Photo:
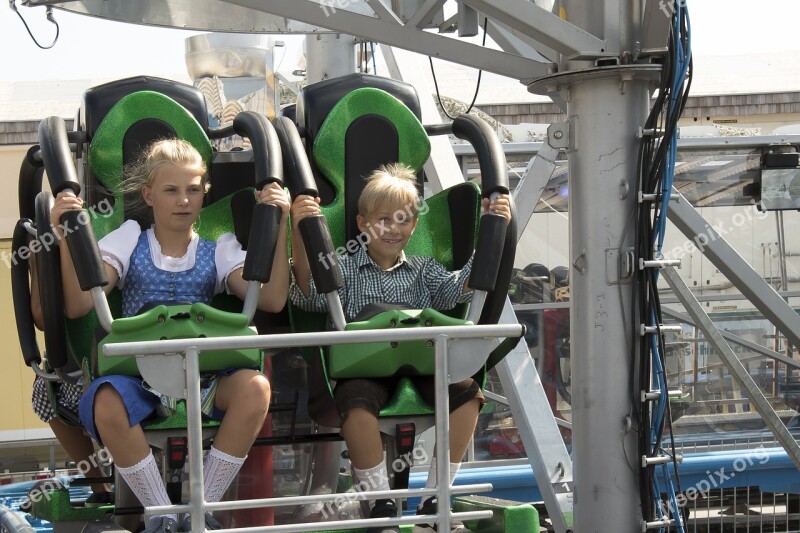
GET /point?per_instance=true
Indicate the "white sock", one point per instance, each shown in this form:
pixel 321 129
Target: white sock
pixel 375 478
pixel 218 473
pixel 146 483
pixel 431 481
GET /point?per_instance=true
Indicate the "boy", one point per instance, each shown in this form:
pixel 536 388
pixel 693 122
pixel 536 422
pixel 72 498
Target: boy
pixel 380 272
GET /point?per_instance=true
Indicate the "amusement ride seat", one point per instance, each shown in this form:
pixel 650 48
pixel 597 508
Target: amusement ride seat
pixel 118 119
pixel 352 125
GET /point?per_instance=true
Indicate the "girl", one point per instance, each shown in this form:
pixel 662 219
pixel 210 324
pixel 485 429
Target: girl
pixel 170 262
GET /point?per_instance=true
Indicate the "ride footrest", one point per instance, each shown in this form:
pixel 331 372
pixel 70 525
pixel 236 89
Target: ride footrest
pixel 508 516
pixel 52 503
pixel 384 359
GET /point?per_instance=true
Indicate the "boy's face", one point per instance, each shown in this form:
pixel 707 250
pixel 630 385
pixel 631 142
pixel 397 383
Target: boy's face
pixel 389 228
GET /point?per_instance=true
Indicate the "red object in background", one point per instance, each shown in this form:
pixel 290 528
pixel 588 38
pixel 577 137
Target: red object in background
pixel 556 328
pixel 255 478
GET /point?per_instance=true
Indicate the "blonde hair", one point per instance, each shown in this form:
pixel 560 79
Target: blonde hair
pixel 393 185
pixel 156 156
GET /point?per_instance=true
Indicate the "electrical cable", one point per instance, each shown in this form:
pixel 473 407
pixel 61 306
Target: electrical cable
pixel 477 85
pixel 49 15
pixel 655 167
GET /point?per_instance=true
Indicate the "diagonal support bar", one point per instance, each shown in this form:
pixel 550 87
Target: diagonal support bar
pixel 390 32
pixel 529 189
pixel 538 23
pixel 736 339
pixel 538 429
pixel 734 267
pixel 738 371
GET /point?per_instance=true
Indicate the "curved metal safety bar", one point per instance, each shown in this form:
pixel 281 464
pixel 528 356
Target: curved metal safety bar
pixel 266 218
pixel 316 236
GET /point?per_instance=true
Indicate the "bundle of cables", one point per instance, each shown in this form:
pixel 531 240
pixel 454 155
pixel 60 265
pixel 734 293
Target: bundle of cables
pixel 656 168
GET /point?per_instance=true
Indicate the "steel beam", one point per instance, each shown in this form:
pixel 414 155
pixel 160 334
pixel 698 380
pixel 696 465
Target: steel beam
pixel 538 429
pixel 538 23
pixel 409 38
pixel 734 267
pixel 738 371
pixel 531 185
pixel 736 339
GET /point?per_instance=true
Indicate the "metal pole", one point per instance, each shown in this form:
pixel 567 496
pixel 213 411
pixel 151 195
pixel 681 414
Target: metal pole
pixel 605 107
pixel 195 437
pixel 329 56
pixel 602 204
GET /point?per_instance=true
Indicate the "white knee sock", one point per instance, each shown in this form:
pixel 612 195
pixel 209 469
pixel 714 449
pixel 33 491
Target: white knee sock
pixel 146 483
pixel 218 473
pixel 431 481
pixel 375 478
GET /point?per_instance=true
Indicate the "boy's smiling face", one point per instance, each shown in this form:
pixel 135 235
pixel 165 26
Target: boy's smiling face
pixel 389 228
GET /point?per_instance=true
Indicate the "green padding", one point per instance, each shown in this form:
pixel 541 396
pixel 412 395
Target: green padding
pixel 179 322
pixel 383 359
pixel 406 401
pixel 434 234
pixel 177 420
pixel 329 146
pixel 105 150
pixel 54 506
pixel 507 517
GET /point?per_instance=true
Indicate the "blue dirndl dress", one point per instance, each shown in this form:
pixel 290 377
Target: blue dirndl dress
pixel 145 282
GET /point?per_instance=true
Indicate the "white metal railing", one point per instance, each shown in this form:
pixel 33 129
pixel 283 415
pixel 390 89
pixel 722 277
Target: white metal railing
pixel 190 350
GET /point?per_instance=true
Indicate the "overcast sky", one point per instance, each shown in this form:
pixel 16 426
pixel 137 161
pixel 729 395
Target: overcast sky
pixel 95 48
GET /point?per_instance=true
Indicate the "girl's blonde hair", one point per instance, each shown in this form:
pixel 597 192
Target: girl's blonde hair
pixel 393 185
pixel 156 156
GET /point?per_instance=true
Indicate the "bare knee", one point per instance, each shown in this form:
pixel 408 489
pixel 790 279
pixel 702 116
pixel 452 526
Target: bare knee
pixel 109 410
pixel 252 395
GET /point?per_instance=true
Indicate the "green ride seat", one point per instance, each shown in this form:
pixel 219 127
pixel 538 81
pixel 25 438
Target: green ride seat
pixel 107 155
pixel 365 128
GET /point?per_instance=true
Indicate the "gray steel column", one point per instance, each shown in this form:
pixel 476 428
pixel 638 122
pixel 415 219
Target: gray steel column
pixel 602 166
pixel 605 107
pixel 329 55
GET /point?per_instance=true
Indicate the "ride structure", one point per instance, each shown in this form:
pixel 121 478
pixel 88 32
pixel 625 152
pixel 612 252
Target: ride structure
pixel 601 62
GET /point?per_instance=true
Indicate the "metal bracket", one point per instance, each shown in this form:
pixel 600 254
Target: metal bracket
pixel 558 135
pixel 620 266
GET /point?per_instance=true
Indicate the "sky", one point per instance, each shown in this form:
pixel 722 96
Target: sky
pixel 94 48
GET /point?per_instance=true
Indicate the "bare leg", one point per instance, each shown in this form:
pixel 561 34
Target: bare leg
pixel 127 445
pixel 363 439
pixel 80 449
pixel 244 396
pixel 462 425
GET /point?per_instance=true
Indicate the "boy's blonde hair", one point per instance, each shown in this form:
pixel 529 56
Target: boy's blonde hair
pixel 393 185
pixel 156 156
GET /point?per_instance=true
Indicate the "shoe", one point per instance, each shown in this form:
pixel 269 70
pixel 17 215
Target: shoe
pixel 96 499
pixel 384 509
pixel 161 524
pixel 430 506
pixel 211 522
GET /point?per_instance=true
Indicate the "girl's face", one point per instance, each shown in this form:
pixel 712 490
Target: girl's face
pixel 176 196
pixel 389 229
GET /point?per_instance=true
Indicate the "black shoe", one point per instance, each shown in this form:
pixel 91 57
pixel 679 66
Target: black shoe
pixel 96 499
pixel 430 506
pixel 161 524
pixel 211 522
pixel 384 509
